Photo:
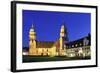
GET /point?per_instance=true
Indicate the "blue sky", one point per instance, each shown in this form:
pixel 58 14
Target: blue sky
pixel 47 25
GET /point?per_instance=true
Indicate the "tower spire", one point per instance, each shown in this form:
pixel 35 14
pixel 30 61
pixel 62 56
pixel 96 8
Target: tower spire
pixel 63 31
pixel 32 28
pixel 32 41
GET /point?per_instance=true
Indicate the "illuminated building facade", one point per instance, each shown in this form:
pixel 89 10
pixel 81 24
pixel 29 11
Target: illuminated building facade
pixel 61 47
pixel 47 48
pixel 80 47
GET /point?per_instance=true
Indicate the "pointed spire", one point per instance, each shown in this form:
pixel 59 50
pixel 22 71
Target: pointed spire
pixel 64 29
pixel 32 28
pixel 63 24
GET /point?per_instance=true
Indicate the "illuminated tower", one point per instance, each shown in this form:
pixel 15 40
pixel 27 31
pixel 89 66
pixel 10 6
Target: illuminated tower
pixel 63 39
pixel 32 41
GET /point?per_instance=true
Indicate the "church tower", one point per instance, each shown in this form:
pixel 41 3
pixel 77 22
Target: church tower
pixel 62 39
pixel 32 41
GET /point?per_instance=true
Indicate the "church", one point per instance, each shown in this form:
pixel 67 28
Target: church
pixel 60 47
pixel 47 48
